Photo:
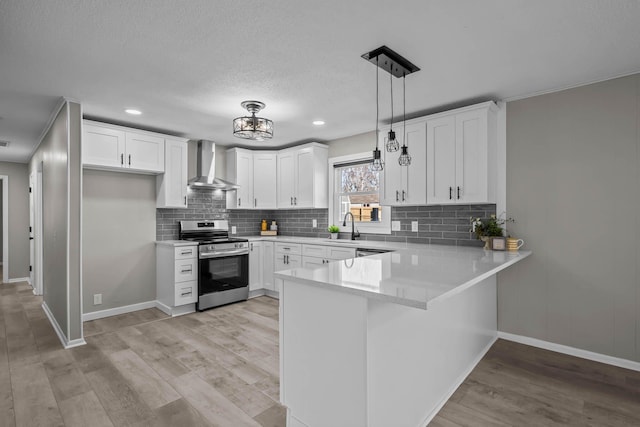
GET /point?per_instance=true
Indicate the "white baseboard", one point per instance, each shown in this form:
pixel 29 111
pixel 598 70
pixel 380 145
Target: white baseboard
pixel 571 351
pixel 457 384
pixel 257 293
pixel 272 294
pixel 117 310
pixel 176 311
pixel 19 279
pixel 56 327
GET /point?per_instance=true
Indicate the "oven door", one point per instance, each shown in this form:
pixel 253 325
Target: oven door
pixel 223 273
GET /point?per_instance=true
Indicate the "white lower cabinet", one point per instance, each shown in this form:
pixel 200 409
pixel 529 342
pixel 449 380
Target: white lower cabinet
pixel 261 266
pixel 318 255
pixel 256 266
pixel 267 266
pixel 176 278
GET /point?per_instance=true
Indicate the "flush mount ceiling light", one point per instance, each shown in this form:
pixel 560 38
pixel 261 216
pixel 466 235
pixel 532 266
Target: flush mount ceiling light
pixel 252 127
pixel 398 66
pixel 133 111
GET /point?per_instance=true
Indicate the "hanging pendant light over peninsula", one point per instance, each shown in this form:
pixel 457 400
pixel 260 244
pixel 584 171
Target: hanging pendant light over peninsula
pixel 398 66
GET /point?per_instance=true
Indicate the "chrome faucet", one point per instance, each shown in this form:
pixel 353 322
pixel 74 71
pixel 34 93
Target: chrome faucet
pixel 354 233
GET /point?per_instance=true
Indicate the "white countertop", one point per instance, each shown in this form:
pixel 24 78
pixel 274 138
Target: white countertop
pixel 413 275
pixel 175 243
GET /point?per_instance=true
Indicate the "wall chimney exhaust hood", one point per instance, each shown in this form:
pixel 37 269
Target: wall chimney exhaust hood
pixel 206 169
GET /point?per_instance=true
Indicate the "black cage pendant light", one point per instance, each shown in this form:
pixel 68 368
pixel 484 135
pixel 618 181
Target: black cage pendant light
pixel 405 158
pixel 398 66
pixel 252 127
pixel 391 144
pixel 377 164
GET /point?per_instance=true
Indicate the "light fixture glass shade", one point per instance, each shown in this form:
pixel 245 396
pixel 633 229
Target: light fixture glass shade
pixel 377 164
pixel 405 158
pixel 392 143
pixel 252 127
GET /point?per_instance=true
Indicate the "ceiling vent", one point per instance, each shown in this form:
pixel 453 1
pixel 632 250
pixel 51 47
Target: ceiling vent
pixel 4 144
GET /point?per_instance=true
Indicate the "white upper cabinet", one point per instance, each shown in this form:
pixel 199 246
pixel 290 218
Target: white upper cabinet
pixel 264 179
pixel 240 172
pixel 461 147
pixel 303 177
pixel 286 178
pixel 172 185
pixel 102 146
pixel 106 146
pixel 255 173
pixel 405 185
pixel 144 152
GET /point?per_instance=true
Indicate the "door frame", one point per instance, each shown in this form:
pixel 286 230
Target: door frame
pixel 5 228
pixel 39 288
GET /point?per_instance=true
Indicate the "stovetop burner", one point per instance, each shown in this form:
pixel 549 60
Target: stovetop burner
pixel 207 232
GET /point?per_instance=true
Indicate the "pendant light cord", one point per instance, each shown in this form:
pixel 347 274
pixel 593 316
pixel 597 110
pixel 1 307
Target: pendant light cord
pixel 404 110
pixel 377 68
pixel 391 84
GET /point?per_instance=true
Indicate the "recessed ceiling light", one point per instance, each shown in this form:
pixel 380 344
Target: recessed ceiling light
pixel 133 112
pixel 318 122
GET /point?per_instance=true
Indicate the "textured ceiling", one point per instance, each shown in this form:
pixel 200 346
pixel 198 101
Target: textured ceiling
pixel 188 64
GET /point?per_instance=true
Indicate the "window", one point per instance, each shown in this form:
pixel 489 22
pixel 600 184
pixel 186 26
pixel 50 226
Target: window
pixel 355 189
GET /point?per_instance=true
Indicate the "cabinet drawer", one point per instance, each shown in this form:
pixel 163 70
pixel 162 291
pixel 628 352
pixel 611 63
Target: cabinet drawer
pixel 314 250
pixel 286 248
pixel 186 270
pixel 186 293
pixel 186 252
pixel 341 253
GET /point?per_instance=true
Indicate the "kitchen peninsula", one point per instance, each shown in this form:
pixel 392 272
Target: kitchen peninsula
pixel 384 340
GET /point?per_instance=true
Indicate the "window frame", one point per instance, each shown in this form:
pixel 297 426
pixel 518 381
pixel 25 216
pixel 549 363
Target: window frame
pixel 382 227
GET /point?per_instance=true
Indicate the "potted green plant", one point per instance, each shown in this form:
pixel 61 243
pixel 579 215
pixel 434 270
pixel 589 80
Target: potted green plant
pixel 486 228
pixel 334 230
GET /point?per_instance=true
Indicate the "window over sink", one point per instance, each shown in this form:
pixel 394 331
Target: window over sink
pixel 355 188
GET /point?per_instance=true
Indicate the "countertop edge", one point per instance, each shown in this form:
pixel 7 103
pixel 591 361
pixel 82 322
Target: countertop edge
pixel 175 243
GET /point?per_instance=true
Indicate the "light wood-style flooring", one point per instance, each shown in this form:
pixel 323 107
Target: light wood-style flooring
pixel 220 368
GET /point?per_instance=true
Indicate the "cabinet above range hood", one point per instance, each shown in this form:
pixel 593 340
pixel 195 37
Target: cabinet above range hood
pixel 206 169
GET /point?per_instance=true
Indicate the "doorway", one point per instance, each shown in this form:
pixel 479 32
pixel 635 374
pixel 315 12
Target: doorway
pixel 4 210
pixel 35 230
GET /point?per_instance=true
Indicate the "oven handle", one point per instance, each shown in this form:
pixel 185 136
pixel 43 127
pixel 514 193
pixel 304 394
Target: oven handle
pixel 205 255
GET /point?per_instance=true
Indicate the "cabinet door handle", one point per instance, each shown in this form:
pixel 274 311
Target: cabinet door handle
pixel 403 192
pixel 129 159
pixel 255 203
pixel 185 200
pixel 450 193
pixel 239 201
pixel 397 196
pixel 291 202
pixel 458 193
pixel 186 252
pixel 252 247
pixel 184 294
pixel 122 159
pixel 287 257
pixel 187 271
pixel 295 201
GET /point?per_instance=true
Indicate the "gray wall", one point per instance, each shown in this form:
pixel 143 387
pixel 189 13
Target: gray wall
pixel 18 211
pixel 59 152
pixel 573 187
pixel 1 226
pixel 119 214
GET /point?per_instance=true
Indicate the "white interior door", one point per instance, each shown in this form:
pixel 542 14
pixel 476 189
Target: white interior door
pixel 38 288
pixel 32 207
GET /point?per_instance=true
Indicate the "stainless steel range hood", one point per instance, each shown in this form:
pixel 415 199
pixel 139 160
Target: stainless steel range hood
pixel 206 169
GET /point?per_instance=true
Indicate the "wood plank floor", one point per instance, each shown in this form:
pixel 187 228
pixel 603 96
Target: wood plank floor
pixel 220 368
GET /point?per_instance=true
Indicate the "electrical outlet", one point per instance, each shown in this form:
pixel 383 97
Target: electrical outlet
pixel 233 229
pixel 315 223
pixel 414 225
pixel 97 299
pixel 395 225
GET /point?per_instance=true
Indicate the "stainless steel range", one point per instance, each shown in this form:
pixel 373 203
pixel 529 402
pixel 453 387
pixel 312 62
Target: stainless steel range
pixel 223 262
